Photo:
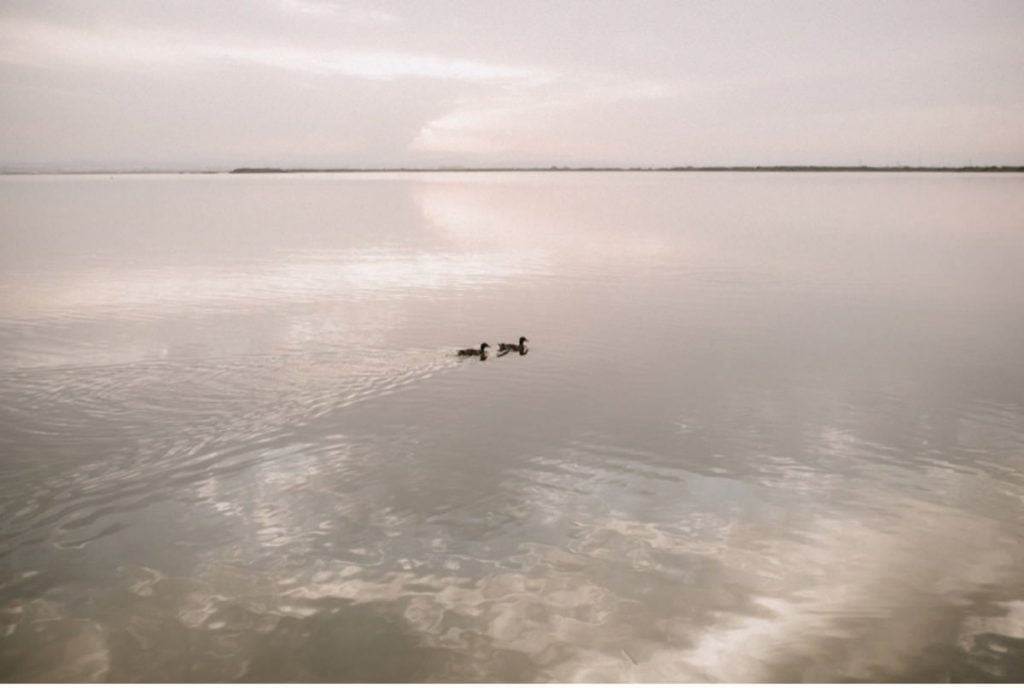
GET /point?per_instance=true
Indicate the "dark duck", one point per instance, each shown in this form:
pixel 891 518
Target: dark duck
pixel 520 348
pixel 481 352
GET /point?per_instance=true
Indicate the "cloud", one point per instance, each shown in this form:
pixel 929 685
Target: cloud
pixel 30 42
pixel 486 84
pixel 326 8
pixel 506 121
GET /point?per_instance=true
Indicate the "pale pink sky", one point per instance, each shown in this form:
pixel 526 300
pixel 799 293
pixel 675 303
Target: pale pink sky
pixel 197 84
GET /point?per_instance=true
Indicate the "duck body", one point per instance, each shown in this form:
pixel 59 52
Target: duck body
pixel 481 352
pixel 520 348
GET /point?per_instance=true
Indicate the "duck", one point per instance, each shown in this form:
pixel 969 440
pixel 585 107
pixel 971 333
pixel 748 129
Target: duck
pixel 481 352
pixel 520 348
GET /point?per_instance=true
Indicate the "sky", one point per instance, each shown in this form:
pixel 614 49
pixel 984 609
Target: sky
pixel 181 84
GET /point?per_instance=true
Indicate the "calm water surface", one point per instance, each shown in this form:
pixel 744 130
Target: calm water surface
pixel 771 427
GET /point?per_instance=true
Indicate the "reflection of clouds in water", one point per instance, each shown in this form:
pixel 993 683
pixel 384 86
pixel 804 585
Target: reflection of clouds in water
pixel 347 275
pixel 772 574
pixel 699 596
pixel 858 603
pixel 741 509
pixel 548 608
pixel 284 504
pixel 47 644
pixel 618 219
pixel 543 613
pixel 710 599
pixel 529 219
pixel 992 642
pixel 431 271
pixel 847 600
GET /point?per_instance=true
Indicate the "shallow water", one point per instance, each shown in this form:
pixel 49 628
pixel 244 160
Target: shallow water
pixel 769 427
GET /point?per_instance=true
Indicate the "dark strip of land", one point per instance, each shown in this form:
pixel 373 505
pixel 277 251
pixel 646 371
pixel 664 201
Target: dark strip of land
pixel 690 168
pixel 695 168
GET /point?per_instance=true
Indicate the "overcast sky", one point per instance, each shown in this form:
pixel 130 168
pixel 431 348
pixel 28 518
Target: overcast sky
pixel 214 84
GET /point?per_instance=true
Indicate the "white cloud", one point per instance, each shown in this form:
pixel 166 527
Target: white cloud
pixel 327 8
pixel 483 83
pixel 43 44
pixel 496 123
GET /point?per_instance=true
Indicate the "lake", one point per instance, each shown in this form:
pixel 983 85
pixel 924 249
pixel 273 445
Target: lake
pixel 769 427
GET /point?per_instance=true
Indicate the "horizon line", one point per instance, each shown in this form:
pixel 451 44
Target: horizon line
pixel 526 168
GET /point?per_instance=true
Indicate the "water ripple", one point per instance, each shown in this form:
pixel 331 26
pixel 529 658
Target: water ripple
pixel 125 436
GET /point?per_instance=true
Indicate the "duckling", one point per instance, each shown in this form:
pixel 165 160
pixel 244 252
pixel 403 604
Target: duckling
pixel 520 348
pixel 481 352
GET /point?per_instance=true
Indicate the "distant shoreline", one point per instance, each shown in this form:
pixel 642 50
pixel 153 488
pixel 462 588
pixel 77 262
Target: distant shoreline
pixel 694 168
pixel 691 168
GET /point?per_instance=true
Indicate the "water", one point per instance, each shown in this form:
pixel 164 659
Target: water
pixel 770 427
